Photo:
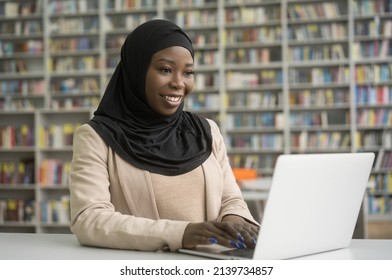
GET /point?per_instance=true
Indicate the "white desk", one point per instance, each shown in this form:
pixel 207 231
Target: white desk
pixel 30 246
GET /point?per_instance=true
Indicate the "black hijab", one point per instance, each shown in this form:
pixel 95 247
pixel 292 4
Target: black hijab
pixel 170 145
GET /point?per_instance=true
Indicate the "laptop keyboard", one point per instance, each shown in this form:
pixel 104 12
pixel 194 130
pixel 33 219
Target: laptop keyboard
pixel 243 253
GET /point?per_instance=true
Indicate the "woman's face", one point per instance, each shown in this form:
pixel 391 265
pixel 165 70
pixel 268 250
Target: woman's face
pixel 169 79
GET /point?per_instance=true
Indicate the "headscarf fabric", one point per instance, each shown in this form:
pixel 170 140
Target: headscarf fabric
pixel 167 145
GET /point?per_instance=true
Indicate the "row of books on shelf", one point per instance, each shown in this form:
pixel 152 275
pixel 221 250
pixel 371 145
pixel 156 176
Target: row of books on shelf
pixel 260 162
pixel 16 136
pixel 112 62
pixel 71 6
pixel 265 34
pixel 89 24
pixel 75 102
pixel 9 104
pixel 326 10
pixel 52 211
pixel 203 101
pixel 196 18
pixel 206 57
pixel 56 211
pixel 372 95
pixel 114 42
pixel 374 117
pixel 313 31
pixel 17 173
pixel 121 5
pixel 319 118
pixel 206 80
pixel 319 97
pixel 72 44
pixel 371 7
pixel 252 55
pixel 126 22
pixel 196 3
pixel 20 8
pixel 381 48
pixel 318 52
pixel 17 28
pixel 82 85
pixel 240 80
pixel 374 73
pixel 17 210
pixel 256 141
pixel 320 76
pixel 258 15
pixel 255 100
pixel 320 140
pixel 317 140
pixel 371 139
pixel 255 120
pixel 22 87
pixel 57 135
pixel 383 160
pixel 203 39
pixel 373 28
pixel 71 64
pixel 379 204
pixel 30 46
pixel 380 183
pixel 54 172
pixel 14 66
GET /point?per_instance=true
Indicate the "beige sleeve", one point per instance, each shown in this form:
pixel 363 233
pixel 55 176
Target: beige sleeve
pixel 94 219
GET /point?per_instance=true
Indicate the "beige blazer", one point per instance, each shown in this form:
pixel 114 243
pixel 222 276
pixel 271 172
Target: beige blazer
pixel 113 204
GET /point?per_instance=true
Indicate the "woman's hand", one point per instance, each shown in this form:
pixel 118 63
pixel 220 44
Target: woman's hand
pixel 247 230
pixel 233 231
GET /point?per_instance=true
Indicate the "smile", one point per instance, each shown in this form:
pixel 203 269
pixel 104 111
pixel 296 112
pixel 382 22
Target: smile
pixel 173 99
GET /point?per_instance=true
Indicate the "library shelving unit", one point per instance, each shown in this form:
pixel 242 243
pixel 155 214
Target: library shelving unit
pixel 318 76
pixel 49 82
pixel 200 19
pixel 372 92
pixel 279 77
pixel 253 50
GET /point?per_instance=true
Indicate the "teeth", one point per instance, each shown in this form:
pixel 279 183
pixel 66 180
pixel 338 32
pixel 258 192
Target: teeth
pixel 173 98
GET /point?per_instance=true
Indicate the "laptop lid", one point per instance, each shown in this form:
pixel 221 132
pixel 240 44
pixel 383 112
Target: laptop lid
pixel 312 206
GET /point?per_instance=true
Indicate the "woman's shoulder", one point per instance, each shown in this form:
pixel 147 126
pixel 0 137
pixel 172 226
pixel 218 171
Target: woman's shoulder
pixel 86 131
pixel 214 127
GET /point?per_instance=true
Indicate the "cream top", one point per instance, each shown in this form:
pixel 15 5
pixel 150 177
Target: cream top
pixel 182 197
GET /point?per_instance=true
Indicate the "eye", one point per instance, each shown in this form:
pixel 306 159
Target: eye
pixel 190 73
pixel 165 70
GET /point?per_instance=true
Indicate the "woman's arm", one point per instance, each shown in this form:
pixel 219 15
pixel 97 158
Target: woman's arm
pixel 234 226
pixel 94 219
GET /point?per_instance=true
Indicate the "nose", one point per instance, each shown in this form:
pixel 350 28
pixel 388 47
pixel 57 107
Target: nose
pixel 177 82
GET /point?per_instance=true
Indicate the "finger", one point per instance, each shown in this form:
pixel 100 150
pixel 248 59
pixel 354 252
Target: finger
pixel 228 228
pixel 227 235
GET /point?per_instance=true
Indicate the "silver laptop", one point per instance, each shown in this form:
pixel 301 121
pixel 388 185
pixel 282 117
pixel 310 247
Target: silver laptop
pixel 313 205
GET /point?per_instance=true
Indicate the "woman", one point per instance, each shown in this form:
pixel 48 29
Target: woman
pixel 147 175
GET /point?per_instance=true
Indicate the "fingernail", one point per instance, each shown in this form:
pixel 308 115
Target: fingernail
pixel 254 241
pixel 242 245
pixel 240 238
pixel 212 240
pixel 234 244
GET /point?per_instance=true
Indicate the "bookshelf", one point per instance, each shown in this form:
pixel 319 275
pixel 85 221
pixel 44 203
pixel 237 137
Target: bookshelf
pixel 279 77
pixel 372 60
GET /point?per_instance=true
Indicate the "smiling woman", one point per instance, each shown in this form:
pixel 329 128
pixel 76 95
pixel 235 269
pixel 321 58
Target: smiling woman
pixel 169 79
pixel 145 174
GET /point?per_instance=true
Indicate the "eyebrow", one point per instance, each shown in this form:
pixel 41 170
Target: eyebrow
pixel 174 63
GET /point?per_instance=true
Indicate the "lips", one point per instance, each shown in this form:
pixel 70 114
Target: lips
pixel 172 100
